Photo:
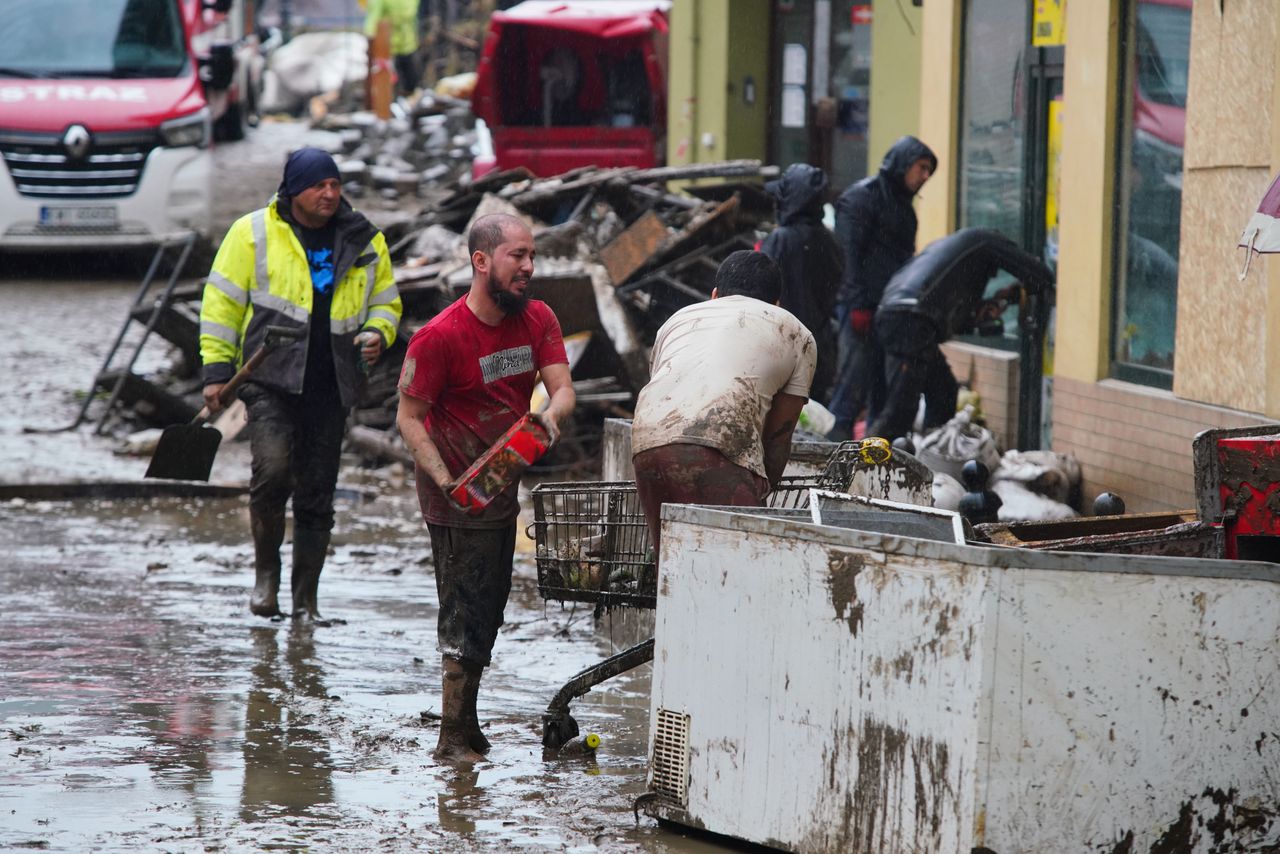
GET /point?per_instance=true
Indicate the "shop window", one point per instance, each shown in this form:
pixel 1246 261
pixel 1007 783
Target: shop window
pixel 1149 189
pixel 992 170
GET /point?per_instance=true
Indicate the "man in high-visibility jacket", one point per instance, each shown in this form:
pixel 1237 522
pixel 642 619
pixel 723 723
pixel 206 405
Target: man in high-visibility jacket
pixel 306 261
pixel 403 16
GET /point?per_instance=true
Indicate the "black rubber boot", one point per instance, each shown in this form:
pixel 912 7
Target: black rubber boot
pixel 455 730
pixel 309 551
pixel 268 533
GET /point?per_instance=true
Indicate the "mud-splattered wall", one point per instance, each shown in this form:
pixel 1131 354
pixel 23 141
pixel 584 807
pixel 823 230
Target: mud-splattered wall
pixel 1223 324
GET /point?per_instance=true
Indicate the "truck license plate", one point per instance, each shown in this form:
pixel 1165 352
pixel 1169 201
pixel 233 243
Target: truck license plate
pixel 81 216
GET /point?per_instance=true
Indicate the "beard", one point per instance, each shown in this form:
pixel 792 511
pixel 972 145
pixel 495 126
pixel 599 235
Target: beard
pixel 508 302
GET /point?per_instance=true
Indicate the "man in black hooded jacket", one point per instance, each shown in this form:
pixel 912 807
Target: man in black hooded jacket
pixel 809 258
pixel 876 229
pixel 938 294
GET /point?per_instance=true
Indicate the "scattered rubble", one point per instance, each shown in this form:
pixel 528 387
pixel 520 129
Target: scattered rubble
pixel 619 250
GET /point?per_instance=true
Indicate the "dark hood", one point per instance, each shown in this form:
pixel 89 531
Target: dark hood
pixel 799 192
pixel 900 156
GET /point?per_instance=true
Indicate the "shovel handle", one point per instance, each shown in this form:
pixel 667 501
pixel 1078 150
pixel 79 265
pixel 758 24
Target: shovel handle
pixel 228 391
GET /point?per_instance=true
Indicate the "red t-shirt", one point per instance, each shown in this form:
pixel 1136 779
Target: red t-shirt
pixel 478 379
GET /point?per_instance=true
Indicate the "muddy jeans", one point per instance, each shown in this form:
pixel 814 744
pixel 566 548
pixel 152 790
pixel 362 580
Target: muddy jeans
pixel 692 474
pixel 296 443
pixel 473 581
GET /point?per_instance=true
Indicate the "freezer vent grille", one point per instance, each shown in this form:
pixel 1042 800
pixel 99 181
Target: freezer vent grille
pixel 671 757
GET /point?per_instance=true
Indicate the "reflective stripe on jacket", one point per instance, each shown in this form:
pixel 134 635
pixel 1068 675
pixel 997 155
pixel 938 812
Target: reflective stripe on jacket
pixel 261 278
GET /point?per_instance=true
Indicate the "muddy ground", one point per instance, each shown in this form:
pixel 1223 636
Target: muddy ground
pixel 143 708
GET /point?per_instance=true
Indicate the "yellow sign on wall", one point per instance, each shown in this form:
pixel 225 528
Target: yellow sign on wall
pixel 1049 23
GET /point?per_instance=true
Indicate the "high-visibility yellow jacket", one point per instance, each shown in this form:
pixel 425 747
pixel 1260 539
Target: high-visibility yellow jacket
pixel 261 278
pixel 403 15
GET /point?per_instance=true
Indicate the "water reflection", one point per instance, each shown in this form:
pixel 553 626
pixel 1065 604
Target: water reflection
pixel 287 765
pixel 458 801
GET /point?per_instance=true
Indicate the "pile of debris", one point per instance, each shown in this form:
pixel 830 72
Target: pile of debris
pixel 619 250
pixel 427 144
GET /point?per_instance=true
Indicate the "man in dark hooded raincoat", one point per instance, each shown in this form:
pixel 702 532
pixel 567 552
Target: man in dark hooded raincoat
pixel 876 229
pixel 940 293
pixel 809 258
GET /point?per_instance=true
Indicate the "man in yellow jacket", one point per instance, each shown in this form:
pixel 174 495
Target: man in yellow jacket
pixel 309 262
pixel 403 15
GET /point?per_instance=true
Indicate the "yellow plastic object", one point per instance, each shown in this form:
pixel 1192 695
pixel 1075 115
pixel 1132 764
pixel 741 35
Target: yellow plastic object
pixel 592 741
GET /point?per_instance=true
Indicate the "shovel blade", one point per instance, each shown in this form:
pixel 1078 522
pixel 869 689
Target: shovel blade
pixel 185 452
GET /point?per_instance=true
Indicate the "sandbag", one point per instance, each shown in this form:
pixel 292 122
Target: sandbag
pixel 948 448
pixel 1047 473
pixel 1020 504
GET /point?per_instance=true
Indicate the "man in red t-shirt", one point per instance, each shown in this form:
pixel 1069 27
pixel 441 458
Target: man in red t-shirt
pixel 468 376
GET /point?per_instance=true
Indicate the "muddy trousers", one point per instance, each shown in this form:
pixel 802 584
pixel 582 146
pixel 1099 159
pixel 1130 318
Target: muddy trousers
pixel 680 473
pixel 473 581
pixel 296 445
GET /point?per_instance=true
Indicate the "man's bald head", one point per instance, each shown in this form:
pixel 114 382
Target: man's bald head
pixel 490 231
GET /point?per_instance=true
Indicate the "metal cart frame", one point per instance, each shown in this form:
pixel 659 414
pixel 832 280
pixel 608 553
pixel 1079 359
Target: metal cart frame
pixel 592 545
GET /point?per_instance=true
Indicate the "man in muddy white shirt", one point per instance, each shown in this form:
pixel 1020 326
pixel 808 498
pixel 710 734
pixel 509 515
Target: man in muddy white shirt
pixel 728 378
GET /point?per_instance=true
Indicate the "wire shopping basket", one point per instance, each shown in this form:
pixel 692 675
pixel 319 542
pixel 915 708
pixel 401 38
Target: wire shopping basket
pixel 592 543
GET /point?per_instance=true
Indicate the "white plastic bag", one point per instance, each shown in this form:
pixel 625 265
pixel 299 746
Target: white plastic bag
pixel 816 418
pixel 953 444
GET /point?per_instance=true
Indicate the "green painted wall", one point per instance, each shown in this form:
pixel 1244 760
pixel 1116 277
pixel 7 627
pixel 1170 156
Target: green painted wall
pixel 715 45
pixel 895 77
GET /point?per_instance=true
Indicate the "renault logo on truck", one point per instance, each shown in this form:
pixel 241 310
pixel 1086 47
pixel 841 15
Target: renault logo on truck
pixel 76 141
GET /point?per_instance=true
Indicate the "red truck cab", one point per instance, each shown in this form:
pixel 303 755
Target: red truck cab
pixel 570 83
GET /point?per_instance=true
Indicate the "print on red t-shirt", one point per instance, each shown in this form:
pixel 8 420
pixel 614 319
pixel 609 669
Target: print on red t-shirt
pixel 478 379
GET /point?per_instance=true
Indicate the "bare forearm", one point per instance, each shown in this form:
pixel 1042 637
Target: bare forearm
pixel 562 403
pixel 424 451
pixel 776 454
pixel 779 425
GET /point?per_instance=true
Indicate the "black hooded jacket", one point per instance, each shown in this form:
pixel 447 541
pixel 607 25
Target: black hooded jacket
pixel 876 225
pixel 945 283
pixel 804 249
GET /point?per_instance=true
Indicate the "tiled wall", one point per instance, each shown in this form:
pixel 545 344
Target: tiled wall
pixel 994 375
pixel 1133 440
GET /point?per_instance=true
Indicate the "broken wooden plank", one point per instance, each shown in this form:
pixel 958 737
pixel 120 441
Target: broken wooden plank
pixel 718 169
pixel 654 195
pixel 633 248
pixel 710 228
pixel 147 399
pixel 550 189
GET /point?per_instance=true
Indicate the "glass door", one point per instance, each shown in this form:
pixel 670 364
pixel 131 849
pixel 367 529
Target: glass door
pixel 1045 116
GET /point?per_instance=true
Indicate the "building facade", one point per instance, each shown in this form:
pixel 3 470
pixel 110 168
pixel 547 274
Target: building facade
pixel 1126 142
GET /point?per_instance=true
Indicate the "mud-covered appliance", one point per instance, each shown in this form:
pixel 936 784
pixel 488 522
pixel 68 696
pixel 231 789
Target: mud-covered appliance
pixel 866 680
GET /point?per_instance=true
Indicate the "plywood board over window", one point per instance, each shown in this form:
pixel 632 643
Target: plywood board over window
pixel 1221 321
pixel 1233 70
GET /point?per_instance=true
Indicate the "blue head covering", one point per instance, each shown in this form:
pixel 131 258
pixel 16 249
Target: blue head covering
pixel 307 167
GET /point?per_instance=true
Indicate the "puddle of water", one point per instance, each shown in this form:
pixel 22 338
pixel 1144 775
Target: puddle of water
pixel 143 707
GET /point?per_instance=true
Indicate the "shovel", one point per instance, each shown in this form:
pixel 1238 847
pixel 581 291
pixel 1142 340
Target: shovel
pixel 186 451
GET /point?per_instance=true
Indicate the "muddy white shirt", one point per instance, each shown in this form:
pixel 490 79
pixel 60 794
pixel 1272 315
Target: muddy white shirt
pixel 714 370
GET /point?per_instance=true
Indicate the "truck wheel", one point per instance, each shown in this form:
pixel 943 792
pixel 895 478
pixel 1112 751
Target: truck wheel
pixel 232 125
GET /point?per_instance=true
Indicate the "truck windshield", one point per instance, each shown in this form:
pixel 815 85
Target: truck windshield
pixel 104 38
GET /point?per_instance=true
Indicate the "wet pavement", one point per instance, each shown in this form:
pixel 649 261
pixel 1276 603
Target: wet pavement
pixel 143 708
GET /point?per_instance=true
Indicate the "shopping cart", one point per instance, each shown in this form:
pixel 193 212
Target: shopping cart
pixel 592 545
